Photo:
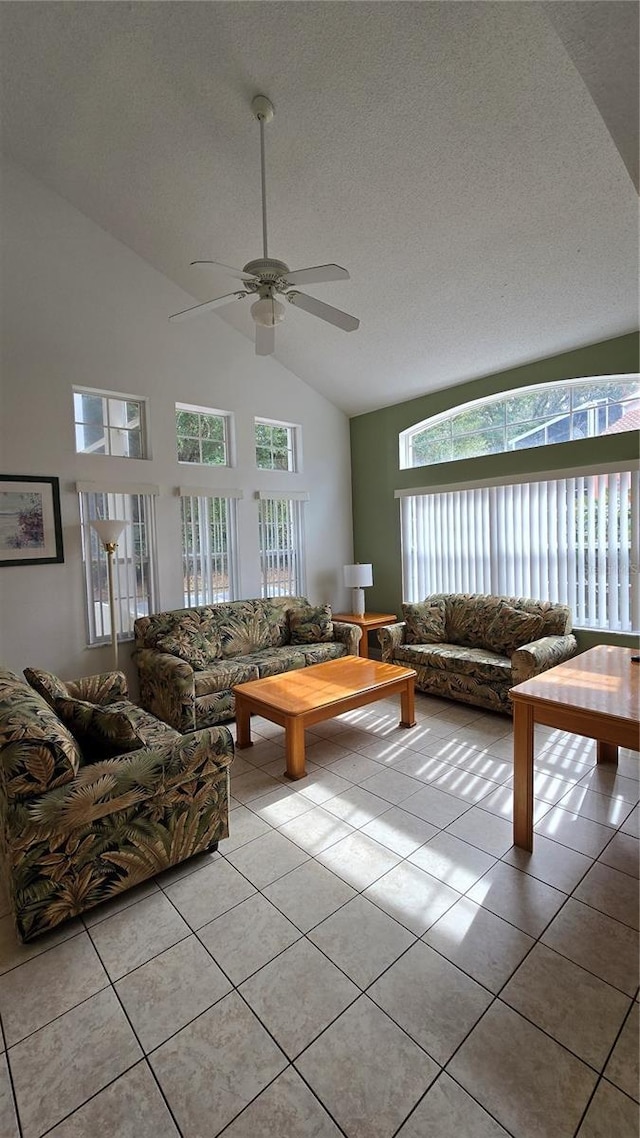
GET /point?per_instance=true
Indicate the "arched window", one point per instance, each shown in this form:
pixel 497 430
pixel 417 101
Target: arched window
pixel 526 417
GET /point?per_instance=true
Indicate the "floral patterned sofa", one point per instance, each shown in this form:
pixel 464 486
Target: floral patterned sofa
pixel 474 648
pixel 81 823
pixel 189 659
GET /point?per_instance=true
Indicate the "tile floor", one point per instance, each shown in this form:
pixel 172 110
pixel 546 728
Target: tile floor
pixel 366 955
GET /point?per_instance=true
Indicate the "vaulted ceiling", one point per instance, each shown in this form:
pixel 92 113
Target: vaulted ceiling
pixel 471 164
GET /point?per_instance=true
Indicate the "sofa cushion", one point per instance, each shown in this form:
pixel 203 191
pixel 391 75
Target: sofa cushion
pixel 102 732
pixel 197 645
pixel 150 629
pixel 309 625
pixel 511 628
pixel 33 740
pixel 425 621
pixel 273 661
pixel 276 622
pixel 224 674
pixel 152 731
pixel 241 627
pixel 47 685
pixel 484 665
pixel 319 653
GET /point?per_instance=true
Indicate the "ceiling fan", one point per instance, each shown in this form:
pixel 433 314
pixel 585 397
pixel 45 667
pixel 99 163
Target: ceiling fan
pixel 266 279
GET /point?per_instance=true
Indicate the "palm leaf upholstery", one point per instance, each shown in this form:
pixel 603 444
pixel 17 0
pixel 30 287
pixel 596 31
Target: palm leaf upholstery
pixel 479 646
pixel 74 832
pixel 186 685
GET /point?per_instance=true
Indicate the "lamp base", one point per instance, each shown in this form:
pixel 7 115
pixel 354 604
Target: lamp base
pixel 357 603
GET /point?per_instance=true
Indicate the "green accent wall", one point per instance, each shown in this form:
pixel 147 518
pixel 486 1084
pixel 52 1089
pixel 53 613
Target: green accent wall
pixel 376 474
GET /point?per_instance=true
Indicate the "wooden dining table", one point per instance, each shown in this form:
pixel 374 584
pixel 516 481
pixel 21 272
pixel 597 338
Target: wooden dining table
pixel 596 694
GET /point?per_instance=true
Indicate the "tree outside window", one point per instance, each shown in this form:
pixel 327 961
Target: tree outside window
pixel 202 436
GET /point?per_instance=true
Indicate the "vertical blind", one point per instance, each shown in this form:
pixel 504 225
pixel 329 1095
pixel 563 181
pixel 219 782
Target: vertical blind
pixel 573 540
pixel 281 537
pixel 209 545
pixel 133 563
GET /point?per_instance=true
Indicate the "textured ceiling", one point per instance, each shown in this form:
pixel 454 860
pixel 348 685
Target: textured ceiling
pixel 470 164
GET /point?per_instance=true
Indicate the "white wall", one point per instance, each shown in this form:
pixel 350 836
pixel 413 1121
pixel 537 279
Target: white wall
pixel 79 308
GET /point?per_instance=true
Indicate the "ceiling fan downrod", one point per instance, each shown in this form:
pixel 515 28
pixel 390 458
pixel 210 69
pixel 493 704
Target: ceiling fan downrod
pixel 262 108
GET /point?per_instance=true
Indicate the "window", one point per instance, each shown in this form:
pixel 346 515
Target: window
pixel 134 560
pixel 281 537
pixel 109 424
pixel 209 548
pixel 527 417
pixel 571 539
pixel 202 435
pixel 276 445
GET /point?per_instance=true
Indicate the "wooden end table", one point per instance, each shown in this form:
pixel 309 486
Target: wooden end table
pixel 367 622
pixel 300 698
pixel 596 694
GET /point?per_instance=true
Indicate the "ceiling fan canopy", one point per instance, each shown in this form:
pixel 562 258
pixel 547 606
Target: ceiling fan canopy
pixel 266 279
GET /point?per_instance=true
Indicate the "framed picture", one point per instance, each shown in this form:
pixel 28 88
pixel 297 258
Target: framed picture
pixel 30 527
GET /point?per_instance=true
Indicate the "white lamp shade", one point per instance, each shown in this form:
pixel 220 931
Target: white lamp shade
pixel 358 576
pixel 109 530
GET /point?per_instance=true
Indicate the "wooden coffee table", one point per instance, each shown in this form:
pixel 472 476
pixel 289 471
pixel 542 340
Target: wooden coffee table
pixel 306 696
pixel 596 694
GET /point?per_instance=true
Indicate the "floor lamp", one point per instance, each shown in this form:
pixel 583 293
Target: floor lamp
pixel 109 532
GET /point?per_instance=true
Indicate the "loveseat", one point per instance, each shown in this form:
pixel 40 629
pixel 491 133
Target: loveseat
pixel 79 823
pixel 474 648
pixel 188 660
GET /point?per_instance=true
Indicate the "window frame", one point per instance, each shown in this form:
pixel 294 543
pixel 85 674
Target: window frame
pixel 118 502
pixel 201 496
pixel 295 585
pixel 406 437
pixel 225 417
pixel 444 559
pixel 109 427
pixel 294 447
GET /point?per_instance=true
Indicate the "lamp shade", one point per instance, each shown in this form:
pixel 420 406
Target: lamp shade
pixel 358 576
pixel 109 530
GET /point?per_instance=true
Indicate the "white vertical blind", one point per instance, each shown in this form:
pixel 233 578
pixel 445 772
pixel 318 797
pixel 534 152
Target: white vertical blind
pixel 282 552
pixel 573 540
pixel 133 566
pixel 209 549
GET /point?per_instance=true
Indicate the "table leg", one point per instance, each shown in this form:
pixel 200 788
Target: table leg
pixel 407 703
pixel 523 723
pixel 294 731
pixel 243 724
pixel 606 752
pixel 363 647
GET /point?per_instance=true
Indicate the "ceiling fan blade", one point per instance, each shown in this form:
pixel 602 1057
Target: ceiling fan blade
pixel 218 301
pixel 265 340
pixel 317 274
pixel 231 271
pixel 324 311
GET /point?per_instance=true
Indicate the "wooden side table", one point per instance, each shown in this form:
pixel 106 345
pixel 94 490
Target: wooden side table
pixel 367 622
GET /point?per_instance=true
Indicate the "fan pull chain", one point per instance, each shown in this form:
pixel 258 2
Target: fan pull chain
pixel 264 189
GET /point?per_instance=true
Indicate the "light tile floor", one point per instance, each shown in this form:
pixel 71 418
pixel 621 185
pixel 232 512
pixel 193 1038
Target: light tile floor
pixel 367 955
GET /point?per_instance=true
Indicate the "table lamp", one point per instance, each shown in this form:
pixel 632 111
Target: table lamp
pixel 109 531
pixel 358 578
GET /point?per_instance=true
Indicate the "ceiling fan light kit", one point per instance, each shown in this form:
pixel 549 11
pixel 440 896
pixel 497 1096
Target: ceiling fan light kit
pixel 267 312
pixel 267 278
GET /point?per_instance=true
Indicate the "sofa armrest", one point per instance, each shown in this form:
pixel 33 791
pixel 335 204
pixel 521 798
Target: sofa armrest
pixel 106 787
pixel 391 636
pixel 104 688
pixel 349 635
pixel 167 688
pixel 540 655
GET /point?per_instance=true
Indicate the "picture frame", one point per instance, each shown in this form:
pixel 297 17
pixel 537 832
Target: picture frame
pixel 30 521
